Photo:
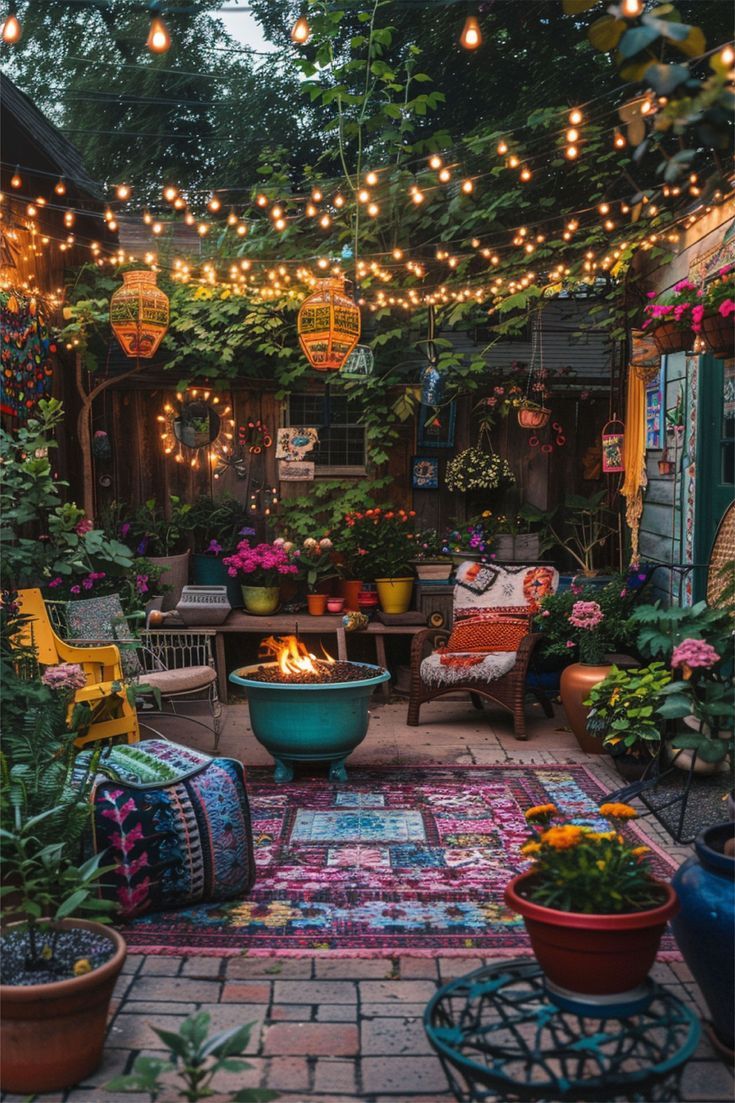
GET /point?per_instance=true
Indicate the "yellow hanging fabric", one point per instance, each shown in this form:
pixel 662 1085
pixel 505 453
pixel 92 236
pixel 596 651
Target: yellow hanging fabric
pixel 634 458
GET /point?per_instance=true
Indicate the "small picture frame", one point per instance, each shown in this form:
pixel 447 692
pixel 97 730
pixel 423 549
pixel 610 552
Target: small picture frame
pixel 425 472
pixel 436 426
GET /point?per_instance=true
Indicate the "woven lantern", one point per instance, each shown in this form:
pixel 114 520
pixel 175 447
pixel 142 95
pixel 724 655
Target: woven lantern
pixel 328 325
pixel 139 314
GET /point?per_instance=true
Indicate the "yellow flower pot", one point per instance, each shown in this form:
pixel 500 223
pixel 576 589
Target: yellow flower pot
pixel 394 594
pixel 260 600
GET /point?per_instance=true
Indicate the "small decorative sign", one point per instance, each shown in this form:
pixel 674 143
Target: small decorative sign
pixel 425 473
pixel 436 427
pixel 295 471
pixel 612 447
pixel 294 442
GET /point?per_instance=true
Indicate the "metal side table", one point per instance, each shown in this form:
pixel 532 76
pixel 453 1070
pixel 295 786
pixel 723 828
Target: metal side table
pixel 500 1038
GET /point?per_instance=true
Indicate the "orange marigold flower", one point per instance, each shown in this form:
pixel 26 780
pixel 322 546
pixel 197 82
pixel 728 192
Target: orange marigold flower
pixel 540 812
pixel 530 848
pixel 81 966
pixel 617 811
pixel 564 837
pixel 596 836
pixel 639 851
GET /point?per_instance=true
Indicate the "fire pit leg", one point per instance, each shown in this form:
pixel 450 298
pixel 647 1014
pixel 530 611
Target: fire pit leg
pixel 337 770
pixel 284 770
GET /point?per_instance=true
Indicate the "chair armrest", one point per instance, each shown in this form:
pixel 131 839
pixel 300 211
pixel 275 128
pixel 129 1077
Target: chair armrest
pixel 525 650
pixel 98 690
pixel 103 652
pixel 431 636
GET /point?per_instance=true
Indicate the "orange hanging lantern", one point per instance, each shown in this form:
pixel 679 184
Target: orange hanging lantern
pixel 139 314
pixel 328 325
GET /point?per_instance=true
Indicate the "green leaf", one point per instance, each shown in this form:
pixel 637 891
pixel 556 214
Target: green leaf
pixel 636 39
pixel 606 32
pixel 665 78
pixel 576 7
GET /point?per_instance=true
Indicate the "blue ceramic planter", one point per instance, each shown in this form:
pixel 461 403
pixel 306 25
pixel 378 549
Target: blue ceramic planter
pixel 209 570
pixel 705 885
pixel 309 723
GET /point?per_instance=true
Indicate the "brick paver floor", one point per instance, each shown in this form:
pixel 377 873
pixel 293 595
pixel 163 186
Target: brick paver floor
pixel 339 1030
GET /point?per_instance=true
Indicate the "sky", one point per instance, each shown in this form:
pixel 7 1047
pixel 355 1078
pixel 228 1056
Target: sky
pixel 244 27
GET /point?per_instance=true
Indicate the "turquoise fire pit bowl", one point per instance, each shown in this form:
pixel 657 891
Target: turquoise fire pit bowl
pixel 300 722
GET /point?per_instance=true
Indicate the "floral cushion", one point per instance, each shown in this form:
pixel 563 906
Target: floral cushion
pixel 482 589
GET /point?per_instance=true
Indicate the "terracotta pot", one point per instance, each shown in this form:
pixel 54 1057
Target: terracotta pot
pixel 394 594
pixel 175 574
pixel 316 604
pixel 576 683
pixel 670 338
pixel 350 589
pixel 593 955
pixel 531 416
pixel 719 333
pixel 52 1034
pixel 261 601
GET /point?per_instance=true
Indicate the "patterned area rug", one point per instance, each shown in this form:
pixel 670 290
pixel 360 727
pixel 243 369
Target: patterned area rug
pixel 407 860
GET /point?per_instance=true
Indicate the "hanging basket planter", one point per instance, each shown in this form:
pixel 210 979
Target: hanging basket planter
pixel 670 338
pixel 476 469
pixel 532 416
pixel 719 334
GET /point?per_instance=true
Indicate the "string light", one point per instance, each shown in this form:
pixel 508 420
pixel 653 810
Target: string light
pixel 525 173
pixel 170 193
pixel 445 175
pixel 572 135
pixel 363 196
pixel 262 200
pixel 16 180
pixel 60 186
pixel 471 36
pixel 418 196
pixel 571 152
pixel 371 179
pixel 339 200
pixel 214 204
pixel 727 55
pixel 301 31
pixel 575 116
pixel 159 39
pixel 242 229
pixel 468 187
pixel 12 31
pixel 502 148
pixel 619 140
pixel 122 191
pixel 631 8
pixel 316 195
pixel 513 162
pixel 435 161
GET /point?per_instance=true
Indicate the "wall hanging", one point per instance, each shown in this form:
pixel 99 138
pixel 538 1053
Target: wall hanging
pixel 328 325
pixel 293 443
pixel 433 383
pixel 24 354
pixel 198 426
pixel 612 447
pixel 436 427
pixel 139 314
pixel 359 364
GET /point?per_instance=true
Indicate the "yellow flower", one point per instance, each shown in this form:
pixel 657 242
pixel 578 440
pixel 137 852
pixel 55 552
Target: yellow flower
pixel 639 851
pixel 81 966
pixel 614 695
pixel 597 836
pixel 600 865
pixel 540 812
pixel 46 952
pixel 530 848
pixel 564 837
pixel 616 811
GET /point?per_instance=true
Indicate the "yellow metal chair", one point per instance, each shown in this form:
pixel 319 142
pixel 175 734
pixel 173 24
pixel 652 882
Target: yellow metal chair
pixel 105 679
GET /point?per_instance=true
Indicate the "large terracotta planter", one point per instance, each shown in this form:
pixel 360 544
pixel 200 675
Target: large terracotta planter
pixel 175 574
pixel 52 1034
pixel 592 955
pixel 670 338
pixel 261 601
pixel 394 594
pixel 703 928
pixel 575 686
pixel 351 587
pixel 719 333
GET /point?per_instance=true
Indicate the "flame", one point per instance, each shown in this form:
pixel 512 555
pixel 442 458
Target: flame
pixel 291 655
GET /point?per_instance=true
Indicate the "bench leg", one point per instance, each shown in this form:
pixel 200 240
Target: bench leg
pixel 381 659
pixel 220 661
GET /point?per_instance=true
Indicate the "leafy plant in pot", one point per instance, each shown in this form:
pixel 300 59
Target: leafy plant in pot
pixel 161 536
pixel 57 969
pixel 259 568
pixel 384 542
pixel 316 566
pixel 216 525
pixel 624 714
pixel 581 526
pixel 593 910
pixel 430 561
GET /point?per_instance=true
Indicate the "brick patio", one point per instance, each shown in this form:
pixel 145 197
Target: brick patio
pixel 334 1031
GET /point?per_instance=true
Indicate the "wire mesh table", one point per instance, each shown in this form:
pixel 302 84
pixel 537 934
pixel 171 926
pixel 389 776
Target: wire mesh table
pixel 500 1037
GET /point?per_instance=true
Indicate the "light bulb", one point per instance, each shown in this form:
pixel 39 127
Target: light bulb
pixel 60 187
pixel 575 116
pixel 280 224
pixel 417 196
pixel 31 210
pixel 214 203
pixel 471 36
pixel 242 229
pixel 316 195
pixel 301 31
pixel 325 222
pixel 232 219
pixel 363 195
pixel 371 179
pixel 16 180
pixel 262 200
pixel 604 208
pixel 202 229
pixel 631 8
pixel 571 152
pixel 513 162
pixel 159 40
pixel 339 200
pixel 276 212
pixel 525 173
pixel 170 193
pixel 619 140
pixel 468 187
pixel 122 191
pixel 12 30
pixel 445 175
pixel 310 210
pixel 435 161
pixel 502 149
pixel 189 218
pixel 156 227
pixel 373 209
pixel 68 218
pixel 572 135
pixel 727 55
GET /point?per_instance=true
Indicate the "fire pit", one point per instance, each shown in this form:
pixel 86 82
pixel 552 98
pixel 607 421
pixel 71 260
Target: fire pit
pixel 305 709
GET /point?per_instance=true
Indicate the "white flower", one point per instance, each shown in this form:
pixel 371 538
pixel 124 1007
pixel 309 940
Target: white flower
pixel 325 543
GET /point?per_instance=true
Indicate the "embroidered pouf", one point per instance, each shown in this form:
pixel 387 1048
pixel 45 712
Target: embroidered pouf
pixel 174 823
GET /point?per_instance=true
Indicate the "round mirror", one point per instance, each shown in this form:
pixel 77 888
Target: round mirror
pixel 197 424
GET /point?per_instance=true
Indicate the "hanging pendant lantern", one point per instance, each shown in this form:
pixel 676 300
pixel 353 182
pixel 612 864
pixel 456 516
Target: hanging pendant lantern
pixel 359 364
pixel 139 314
pixel 328 325
pixel 433 386
pixel 612 447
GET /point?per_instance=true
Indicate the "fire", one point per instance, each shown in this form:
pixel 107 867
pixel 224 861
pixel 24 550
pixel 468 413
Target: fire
pixel 291 655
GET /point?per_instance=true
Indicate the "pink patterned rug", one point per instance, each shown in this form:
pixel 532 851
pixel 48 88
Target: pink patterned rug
pixel 396 861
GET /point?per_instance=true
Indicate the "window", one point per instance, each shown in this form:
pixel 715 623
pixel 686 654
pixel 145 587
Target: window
pixel 341 439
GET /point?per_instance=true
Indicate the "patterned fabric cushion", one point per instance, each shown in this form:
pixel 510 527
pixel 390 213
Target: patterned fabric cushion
pixel 511 589
pixel 180 680
pixel 482 668
pixel 175 824
pixel 101 619
pixel 499 633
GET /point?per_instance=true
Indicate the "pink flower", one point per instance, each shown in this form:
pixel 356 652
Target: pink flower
pixel 586 615
pixel 141 583
pixel 545 613
pixel 569 643
pixel 55 582
pixel 684 285
pixel 65 676
pixel 694 653
pixel 83 526
pixel 727 308
pixel 651 294
pixel 75 589
pixel 697 314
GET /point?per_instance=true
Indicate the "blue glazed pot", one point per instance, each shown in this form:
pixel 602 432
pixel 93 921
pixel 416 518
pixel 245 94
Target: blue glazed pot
pixel 705 885
pixel 298 722
pixel 209 570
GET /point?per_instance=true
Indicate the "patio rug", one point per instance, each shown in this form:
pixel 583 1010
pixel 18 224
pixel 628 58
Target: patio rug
pixel 396 861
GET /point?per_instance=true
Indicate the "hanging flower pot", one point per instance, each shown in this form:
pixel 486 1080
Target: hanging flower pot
pixel 328 325
pixel 139 314
pixel 719 333
pixel 612 447
pixel 670 338
pixel 532 416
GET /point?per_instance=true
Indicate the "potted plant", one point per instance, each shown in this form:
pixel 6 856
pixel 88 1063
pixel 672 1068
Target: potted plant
pixel 57 970
pixel 478 468
pixel 717 320
pixel 162 539
pixel 216 525
pixel 704 698
pixel 581 525
pixel 515 540
pixel 471 540
pixel 624 714
pixel 383 541
pixel 259 568
pixel 671 319
pixel 593 910
pixel 316 566
pixel 430 561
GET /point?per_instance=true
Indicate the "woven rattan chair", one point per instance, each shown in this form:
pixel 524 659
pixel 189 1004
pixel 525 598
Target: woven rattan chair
pixel 500 677
pixel 721 566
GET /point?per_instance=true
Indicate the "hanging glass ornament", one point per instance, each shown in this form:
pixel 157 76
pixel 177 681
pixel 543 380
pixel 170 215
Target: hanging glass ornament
pixel 359 364
pixel 433 386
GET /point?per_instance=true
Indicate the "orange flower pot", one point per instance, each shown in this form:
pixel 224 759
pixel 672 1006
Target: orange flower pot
pixel 316 604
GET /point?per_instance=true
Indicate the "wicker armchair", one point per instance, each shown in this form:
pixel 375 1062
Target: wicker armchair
pixel 499 677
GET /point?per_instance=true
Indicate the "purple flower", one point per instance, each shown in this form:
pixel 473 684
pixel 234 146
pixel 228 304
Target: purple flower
pixel 142 546
pixel 124 529
pixel 246 532
pixel 55 582
pixel 69 676
pixel 214 548
pixel 87 583
pixel 75 589
pixel 141 583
